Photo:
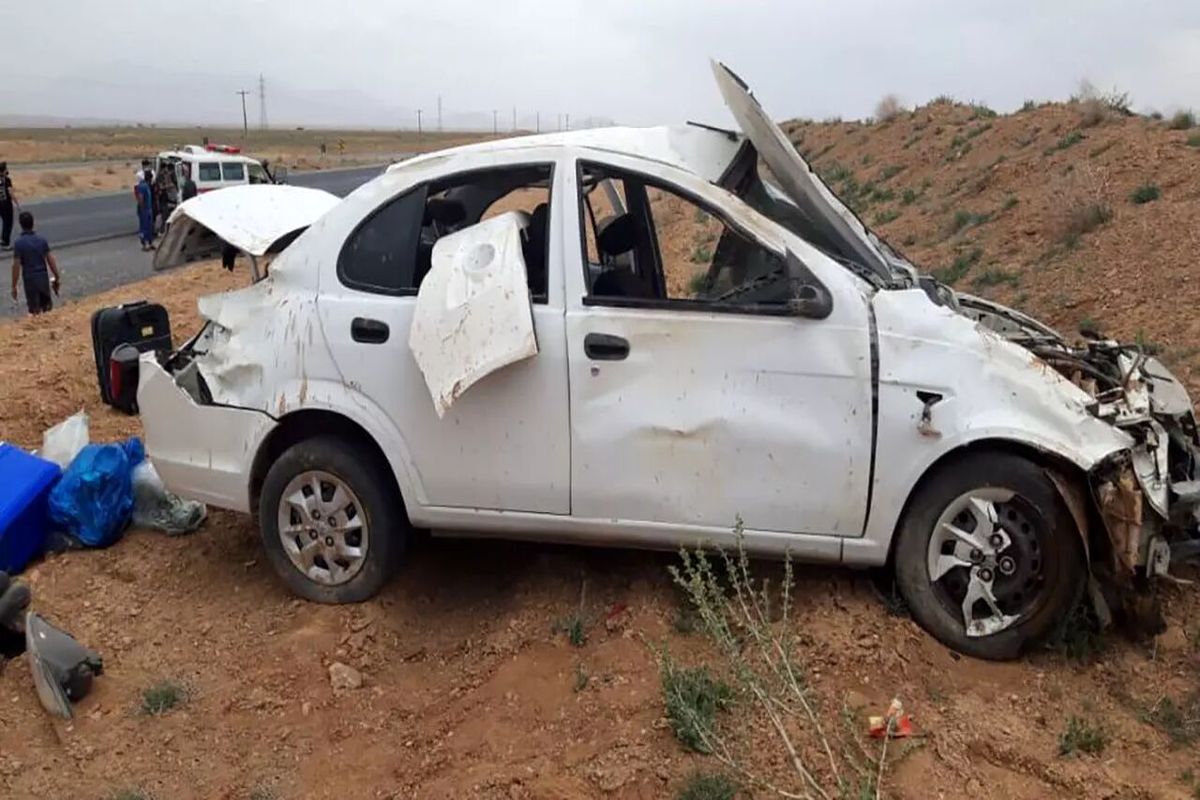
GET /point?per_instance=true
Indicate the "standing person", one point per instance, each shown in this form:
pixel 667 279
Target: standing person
pixel 167 195
pixel 188 190
pixel 144 194
pixel 34 264
pixel 8 199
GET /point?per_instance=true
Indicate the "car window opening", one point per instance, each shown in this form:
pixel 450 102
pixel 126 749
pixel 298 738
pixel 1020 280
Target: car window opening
pixel 392 251
pixel 644 241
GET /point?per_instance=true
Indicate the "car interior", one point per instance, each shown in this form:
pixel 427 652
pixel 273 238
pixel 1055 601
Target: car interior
pixel 644 242
pixel 461 201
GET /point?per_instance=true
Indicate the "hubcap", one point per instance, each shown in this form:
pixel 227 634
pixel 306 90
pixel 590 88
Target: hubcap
pixel 322 528
pixel 985 560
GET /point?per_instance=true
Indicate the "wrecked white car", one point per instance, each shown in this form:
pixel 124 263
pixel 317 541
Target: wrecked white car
pixel 633 337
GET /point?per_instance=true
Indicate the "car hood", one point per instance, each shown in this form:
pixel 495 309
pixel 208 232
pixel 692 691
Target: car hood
pixel 254 219
pixel 801 185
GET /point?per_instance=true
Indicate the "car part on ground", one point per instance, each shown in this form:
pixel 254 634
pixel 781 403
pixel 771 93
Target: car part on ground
pixel 62 668
pixel 332 523
pixel 14 599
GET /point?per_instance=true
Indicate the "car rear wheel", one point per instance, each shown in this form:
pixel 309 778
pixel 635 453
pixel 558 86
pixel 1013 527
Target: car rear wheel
pixel 988 557
pixel 331 521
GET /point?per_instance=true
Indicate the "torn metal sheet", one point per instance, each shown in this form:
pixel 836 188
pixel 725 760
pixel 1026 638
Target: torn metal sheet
pixel 251 218
pixel 473 315
pixel 1120 503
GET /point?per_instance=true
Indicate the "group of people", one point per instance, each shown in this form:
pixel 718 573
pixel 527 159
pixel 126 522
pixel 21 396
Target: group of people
pixel 157 194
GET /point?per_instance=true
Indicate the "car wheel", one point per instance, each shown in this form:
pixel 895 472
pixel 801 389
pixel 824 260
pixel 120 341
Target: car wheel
pixel 989 558
pixel 332 523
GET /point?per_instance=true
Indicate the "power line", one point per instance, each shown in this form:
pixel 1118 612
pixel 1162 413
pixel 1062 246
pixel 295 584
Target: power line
pixel 262 102
pixel 245 123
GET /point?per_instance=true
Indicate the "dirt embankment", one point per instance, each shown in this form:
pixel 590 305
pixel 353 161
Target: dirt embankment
pixel 470 687
pixel 1075 213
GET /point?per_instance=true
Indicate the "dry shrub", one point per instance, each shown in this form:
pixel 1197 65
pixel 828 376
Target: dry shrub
pixel 888 108
pixel 1099 106
pixel 55 180
pixel 1086 207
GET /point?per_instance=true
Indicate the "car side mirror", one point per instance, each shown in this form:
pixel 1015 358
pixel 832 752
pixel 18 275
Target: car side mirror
pixel 810 298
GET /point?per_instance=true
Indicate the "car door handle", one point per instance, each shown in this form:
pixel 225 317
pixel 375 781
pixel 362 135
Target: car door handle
pixel 605 347
pixel 369 331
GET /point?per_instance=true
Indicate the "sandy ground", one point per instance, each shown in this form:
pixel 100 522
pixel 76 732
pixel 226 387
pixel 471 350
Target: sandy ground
pixel 106 157
pixel 468 688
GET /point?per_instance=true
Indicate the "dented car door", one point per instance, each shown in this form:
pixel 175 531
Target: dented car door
pixel 694 414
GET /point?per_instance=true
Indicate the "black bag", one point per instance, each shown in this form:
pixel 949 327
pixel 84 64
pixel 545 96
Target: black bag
pixel 143 325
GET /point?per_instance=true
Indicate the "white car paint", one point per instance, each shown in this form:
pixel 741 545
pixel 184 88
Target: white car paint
pixel 808 429
pixel 472 316
pixel 251 218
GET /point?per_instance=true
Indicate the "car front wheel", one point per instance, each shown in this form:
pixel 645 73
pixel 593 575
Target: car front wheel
pixel 988 558
pixel 331 522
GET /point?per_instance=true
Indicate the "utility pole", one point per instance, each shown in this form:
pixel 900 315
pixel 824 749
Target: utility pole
pixel 418 124
pixel 439 113
pixel 568 122
pixel 495 126
pixel 245 124
pixel 514 119
pixel 537 125
pixel 262 102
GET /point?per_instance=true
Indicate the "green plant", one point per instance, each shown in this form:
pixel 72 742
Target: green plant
pixel 943 99
pixel 701 255
pixel 1082 736
pixel 908 197
pixel 976 131
pixel 1029 105
pixel 890 171
pixel 1156 116
pixel 1187 776
pixel 162 697
pixel 262 792
pixel 698 284
pixel 958 141
pixel 130 794
pixel 1180 721
pixel 707 786
pixel 1009 203
pixel 866 159
pixel 1146 193
pixel 575 628
pixel 581 678
pixel 967 219
pixel 995 277
pixel 1082 638
pixel 886 216
pixel 1102 149
pixel 836 171
pixel 981 111
pixel 1083 219
pixel 693 697
pixel 1071 139
pixel 962 264
pixel 1182 120
pixel 1090 327
pixel 882 194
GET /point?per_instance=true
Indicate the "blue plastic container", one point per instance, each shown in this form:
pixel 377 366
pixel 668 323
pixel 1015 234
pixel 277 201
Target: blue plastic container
pixel 25 483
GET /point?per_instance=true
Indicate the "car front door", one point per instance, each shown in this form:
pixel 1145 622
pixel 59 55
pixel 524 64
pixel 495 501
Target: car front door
pixel 504 443
pixel 698 395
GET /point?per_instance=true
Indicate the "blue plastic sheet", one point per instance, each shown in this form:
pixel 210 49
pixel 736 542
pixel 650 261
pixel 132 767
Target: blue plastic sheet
pixel 94 499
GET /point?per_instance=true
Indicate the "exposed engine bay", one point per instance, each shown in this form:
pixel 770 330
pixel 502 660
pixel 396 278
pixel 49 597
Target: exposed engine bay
pixel 1148 498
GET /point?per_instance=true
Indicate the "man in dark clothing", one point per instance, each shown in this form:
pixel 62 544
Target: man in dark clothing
pixel 34 264
pixel 188 190
pixel 7 201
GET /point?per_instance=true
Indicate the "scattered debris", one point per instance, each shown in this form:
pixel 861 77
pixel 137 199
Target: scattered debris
pixel 94 498
pixel 155 507
pixel 25 486
pixel 896 724
pixel 62 668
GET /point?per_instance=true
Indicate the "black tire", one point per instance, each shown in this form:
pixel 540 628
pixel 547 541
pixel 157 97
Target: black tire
pixel 1059 554
pixel 369 478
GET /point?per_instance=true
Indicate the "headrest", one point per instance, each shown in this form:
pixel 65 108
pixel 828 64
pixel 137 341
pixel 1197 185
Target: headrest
pixel 616 235
pixel 444 212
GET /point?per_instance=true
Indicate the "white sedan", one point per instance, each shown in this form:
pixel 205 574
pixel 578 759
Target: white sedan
pixel 635 337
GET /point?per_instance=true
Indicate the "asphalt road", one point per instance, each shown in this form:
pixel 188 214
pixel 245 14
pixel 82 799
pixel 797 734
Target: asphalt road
pixel 109 255
pixel 85 219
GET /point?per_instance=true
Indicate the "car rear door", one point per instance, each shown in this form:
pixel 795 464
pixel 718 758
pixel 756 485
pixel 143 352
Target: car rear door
pixel 692 411
pixel 504 443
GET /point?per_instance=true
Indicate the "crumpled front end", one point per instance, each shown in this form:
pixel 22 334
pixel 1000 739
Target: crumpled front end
pixel 1147 498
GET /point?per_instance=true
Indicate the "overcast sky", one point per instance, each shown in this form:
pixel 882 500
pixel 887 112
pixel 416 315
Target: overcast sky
pixel 373 62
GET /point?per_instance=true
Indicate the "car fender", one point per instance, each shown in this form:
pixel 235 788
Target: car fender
pixel 946 383
pixel 345 400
